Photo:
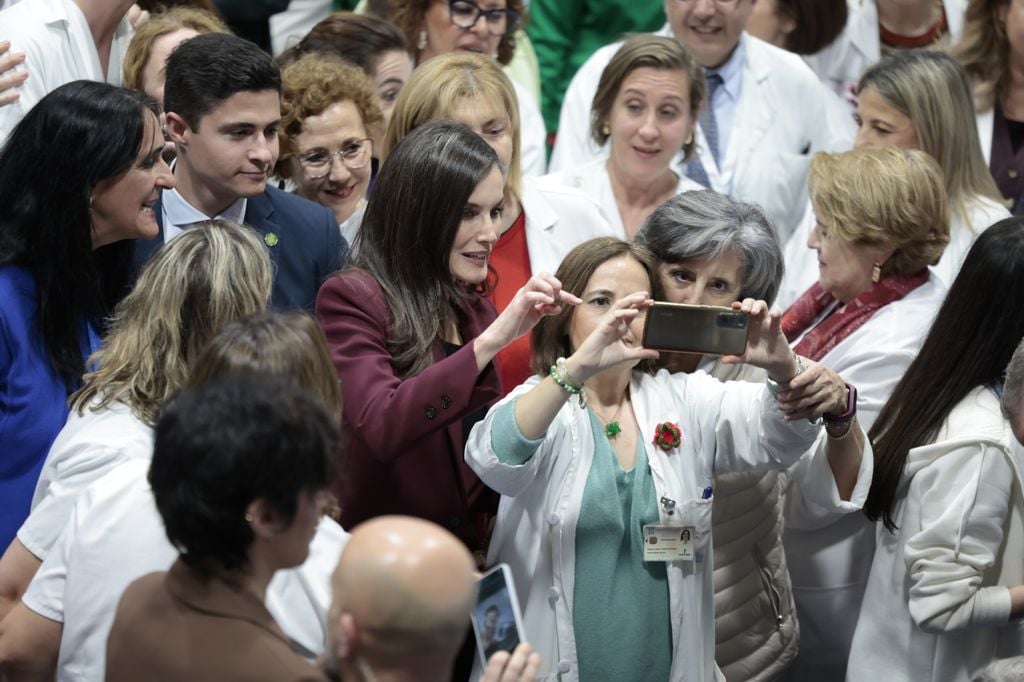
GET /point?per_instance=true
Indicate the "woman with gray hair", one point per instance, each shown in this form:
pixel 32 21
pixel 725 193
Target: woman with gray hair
pixel 713 250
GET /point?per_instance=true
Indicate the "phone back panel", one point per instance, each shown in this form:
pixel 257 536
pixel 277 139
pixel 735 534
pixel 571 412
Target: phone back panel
pixel 710 330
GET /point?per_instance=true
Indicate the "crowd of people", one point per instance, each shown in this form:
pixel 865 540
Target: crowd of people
pixel 308 318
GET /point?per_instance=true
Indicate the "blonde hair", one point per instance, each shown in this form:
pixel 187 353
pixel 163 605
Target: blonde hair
pixel 168 21
pixel 984 51
pixel 272 344
pixel 931 89
pixel 435 90
pixel 883 197
pixel 313 83
pixel 209 276
pixel 652 52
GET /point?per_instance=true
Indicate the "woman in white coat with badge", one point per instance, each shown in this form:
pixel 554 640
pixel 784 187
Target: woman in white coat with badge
pixel 646 109
pixel 540 222
pixel 603 466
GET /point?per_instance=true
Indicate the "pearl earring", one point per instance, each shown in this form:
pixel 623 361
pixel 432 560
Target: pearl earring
pixel 421 42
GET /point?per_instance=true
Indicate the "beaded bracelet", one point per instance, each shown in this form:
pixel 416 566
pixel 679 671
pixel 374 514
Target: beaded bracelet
pixel 561 377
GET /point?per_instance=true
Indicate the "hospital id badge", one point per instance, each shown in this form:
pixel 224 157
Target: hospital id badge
pixel 668 543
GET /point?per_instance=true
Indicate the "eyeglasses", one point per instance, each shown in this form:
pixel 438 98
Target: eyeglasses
pixel 317 164
pixel 465 14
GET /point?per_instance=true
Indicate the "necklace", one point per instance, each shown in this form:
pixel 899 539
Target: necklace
pixel 612 428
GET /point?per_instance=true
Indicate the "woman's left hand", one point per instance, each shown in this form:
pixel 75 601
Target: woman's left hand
pixel 767 346
pixel 813 392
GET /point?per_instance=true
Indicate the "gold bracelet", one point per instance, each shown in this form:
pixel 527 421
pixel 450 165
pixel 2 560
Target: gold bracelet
pixel 846 434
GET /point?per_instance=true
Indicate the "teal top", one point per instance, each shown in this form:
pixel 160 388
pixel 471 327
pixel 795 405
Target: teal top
pixel 620 602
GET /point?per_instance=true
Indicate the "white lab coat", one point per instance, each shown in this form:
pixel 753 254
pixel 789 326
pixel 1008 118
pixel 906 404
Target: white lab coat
pixel 937 603
pixel 592 179
pixel 986 121
pixel 59 48
pixel 287 28
pixel 841 64
pixel 115 536
pixel 783 116
pixel 829 578
pixel 726 427
pixel 802 261
pixel 558 219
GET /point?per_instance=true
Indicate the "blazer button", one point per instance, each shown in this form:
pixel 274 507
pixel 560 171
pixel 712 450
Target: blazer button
pixel 446 402
pixel 553 594
pixel 564 667
pixel 554 519
pixel 430 412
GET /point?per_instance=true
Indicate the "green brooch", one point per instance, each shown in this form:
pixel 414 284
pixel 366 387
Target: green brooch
pixel 270 239
pixel 612 429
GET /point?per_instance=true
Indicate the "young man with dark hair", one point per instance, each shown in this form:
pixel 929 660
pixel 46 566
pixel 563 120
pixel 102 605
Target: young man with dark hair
pixel 223 106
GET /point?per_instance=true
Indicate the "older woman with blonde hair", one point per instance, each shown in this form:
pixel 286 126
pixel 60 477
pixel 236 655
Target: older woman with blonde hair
pixel 540 222
pixel 214 275
pixel 918 100
pixel 437 27
pixel 155 39
pixel 645 109
pixel 882 218
pixel 992 53
pixel 330 117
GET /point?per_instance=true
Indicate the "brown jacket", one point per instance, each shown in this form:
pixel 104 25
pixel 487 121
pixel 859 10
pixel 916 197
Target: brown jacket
pixel 181 625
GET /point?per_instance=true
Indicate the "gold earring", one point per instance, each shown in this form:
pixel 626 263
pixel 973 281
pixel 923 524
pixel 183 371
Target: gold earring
pixel 249 517
pixel 689 140
pixel 876 273
pixel 605 130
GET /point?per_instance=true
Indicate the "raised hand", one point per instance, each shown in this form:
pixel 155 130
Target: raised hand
pixel 541 295
pixel 612 341
pixel 766 344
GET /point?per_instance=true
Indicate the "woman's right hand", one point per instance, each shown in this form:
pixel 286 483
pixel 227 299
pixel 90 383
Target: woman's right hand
pixel 611 342
pixel 542 295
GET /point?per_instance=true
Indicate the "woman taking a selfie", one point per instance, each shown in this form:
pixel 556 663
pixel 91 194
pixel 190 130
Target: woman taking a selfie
pixel 412 338
pixel 598 461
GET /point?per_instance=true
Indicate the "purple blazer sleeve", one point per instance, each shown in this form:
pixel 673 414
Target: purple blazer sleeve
pixel 388 416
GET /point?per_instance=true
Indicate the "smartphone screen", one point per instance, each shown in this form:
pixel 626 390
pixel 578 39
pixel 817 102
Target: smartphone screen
pixel 496 619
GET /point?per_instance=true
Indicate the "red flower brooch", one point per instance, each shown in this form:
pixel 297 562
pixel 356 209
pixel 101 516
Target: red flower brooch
pixel 667 436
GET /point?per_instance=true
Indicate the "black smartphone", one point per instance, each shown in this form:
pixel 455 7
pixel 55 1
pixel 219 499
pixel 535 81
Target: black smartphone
pixel 497 623
pixel 682 328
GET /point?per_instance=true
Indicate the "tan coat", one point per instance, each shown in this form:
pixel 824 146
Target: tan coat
pixel 180 625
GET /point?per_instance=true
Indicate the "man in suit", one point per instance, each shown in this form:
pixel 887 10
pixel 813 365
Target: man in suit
pixel 766 112
pixel 223 106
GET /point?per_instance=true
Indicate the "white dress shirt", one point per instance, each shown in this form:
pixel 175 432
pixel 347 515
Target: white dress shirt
pixel 179 214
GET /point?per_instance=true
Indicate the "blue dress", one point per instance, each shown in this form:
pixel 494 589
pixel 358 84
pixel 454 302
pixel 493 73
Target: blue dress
pixel 33 398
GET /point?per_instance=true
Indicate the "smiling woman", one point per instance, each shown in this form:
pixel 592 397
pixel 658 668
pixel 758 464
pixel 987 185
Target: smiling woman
pixel 413 340
pixel 329 119
pixel 78 177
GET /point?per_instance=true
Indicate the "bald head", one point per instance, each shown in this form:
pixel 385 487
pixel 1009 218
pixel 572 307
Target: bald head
pixel 403 591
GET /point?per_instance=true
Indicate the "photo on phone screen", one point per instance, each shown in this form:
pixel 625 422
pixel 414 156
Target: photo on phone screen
pixel 496 619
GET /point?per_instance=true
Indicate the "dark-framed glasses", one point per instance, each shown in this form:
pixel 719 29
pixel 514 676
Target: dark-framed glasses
pixel 354 155
pixel 465 14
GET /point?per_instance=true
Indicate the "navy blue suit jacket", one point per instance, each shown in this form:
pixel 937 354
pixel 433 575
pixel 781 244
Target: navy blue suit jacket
pixel 306 246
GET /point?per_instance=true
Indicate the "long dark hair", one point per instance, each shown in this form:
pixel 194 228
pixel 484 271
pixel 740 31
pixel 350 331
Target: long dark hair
pixel 970 343
pixel 408 230
pixel 76 136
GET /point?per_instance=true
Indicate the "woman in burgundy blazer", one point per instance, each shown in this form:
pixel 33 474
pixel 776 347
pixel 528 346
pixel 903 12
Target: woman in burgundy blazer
pixel 412 338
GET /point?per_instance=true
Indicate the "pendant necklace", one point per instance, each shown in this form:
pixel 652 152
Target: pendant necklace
pixel 611 428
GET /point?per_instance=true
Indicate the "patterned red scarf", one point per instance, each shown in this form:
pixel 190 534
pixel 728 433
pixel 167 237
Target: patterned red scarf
pixel 846 319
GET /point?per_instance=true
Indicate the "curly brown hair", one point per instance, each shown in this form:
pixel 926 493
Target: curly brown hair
pixel 168 21
pixel 408 16
pixel 313 83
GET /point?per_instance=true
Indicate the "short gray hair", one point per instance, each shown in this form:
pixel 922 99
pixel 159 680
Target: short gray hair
pixel 1004 670
pixel 1013 386
pixel 705 224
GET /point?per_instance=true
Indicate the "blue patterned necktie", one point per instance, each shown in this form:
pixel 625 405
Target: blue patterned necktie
pixel 695 168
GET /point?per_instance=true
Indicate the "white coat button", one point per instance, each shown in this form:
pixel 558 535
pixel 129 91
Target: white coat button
pixel 564 667
pixel 553 594
pixel 554 519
